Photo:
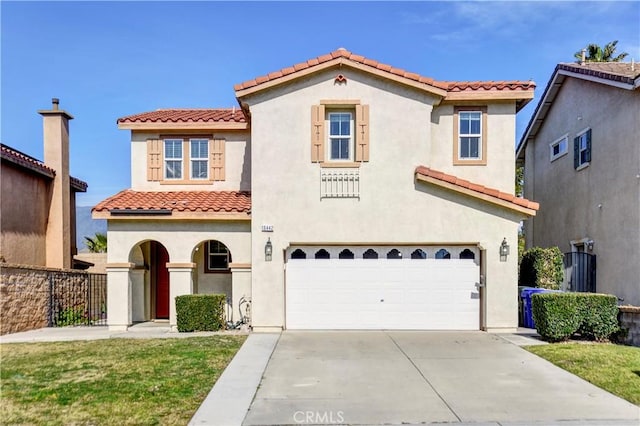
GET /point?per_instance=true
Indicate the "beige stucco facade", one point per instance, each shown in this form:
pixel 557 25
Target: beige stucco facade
pixel 409 125
pixel 600 202
pixel 24 216
pixel 406 130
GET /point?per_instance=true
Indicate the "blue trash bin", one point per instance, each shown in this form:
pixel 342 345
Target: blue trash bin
pixel 528 310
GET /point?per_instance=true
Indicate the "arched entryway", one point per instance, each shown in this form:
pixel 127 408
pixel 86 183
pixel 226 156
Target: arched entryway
pixel 150 282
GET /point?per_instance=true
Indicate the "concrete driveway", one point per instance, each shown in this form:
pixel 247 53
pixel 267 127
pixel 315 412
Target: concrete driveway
pixel 422 377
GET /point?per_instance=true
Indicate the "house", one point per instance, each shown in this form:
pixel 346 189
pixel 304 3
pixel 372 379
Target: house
pixel 343 193
pixel 39 199
pixel 581 160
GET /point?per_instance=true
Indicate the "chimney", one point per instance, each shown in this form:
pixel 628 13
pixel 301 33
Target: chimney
pixel 584 57
pixel 55 123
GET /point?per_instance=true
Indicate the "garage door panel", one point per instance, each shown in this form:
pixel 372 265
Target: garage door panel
pixel 382 294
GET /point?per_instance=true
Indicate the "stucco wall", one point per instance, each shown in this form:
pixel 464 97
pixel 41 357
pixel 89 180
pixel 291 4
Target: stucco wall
pixel 600 202
pixel 392 207
pixel 24 213
pixel 180 238
pixel 499 172
pixel 237 164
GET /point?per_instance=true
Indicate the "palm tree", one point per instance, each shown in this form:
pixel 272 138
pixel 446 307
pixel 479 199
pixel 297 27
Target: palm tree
pixel 595 53
pixel 97 244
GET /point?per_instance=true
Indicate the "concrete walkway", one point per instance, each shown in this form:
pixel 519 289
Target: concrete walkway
pixel 146 330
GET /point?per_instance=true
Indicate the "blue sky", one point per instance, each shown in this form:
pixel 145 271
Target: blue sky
pixel 105 60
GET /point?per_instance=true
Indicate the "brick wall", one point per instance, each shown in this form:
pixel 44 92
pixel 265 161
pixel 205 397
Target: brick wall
pixel 629 317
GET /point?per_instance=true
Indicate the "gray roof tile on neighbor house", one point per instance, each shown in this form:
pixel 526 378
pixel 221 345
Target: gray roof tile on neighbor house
pixel 625 72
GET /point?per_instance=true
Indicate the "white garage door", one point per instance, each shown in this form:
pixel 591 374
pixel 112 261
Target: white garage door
pixel 401 294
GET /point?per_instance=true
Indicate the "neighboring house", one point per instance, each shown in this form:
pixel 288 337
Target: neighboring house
pixel 581 153
pixel 342 194
pixel 39 199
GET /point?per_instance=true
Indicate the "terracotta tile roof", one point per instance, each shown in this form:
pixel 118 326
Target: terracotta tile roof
pixel 193 115
pixel 181 201
pixel 461 86
pixel 78 184
pixel 20 158
pixel 523 202
pixel 624 72
pixel 25 160
pixel 343 53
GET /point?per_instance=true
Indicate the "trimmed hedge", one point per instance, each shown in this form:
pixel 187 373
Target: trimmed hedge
pixel 541 267
pixel 558 316
pixel 200 312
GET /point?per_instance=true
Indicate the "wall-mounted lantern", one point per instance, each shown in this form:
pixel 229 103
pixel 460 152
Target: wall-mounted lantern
pixel 268 250
pixel 504 250
pixel 590 245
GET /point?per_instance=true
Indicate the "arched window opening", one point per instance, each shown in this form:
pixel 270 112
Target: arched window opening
pixel 346 254
pixel 467 254
pixel 322 254
pixel 298 254
pixel 443 254
pixel 370 254
pixel 394 254
pixel 418 254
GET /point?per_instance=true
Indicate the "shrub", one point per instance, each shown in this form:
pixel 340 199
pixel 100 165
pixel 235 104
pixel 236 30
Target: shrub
pixel 70 316
pixel 555 315
pixel 200 312
pixel 599 314
pixel 558 316
pixel 541 267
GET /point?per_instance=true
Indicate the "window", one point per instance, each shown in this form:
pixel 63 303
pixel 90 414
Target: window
pixel 470 136
pixel 443 254
pixel 418 254
pixel 394 254
pixel 370 254
pixel 199 158
pixel 173 159
pixel 192 159
pixel 339 131
pixel 467 254
pixel 346 254
pixel 558 148
pixel 340 136
pixel 582 150
pixel 322 254
pixel 298 254
pixel 217 257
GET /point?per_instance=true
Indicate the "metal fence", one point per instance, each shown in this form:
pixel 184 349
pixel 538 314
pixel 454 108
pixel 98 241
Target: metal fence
pixel 580 272
pixel 77 298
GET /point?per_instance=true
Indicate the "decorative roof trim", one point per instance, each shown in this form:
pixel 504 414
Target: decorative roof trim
pixel 342 57
pixel 491 195
pixel 154 125
pixel 233 216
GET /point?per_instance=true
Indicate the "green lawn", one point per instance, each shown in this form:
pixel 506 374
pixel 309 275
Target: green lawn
pixel 109 382
pixel 615 368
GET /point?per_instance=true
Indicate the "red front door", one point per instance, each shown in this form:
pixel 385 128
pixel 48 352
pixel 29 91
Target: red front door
pixel 162 281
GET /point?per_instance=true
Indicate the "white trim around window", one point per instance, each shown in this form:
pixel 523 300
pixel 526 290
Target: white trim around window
pixel 173 166
pixel 199 158
pixel 559 148
pixel 340 135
